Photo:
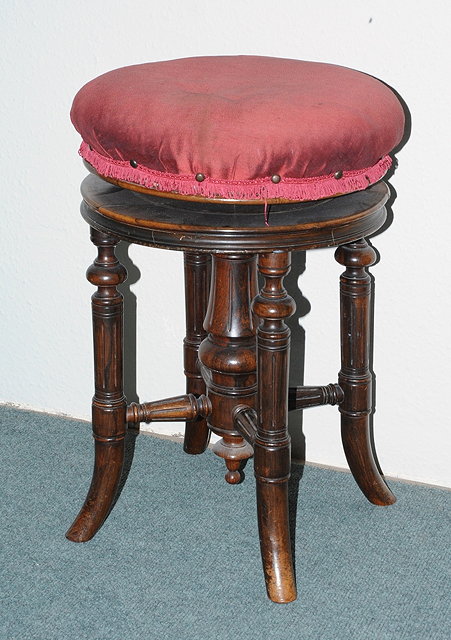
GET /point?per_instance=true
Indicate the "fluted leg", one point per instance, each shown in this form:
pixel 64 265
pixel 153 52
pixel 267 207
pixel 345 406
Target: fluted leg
pixel 355 378
pixel 272 444
pixel 197 288
pixel 109 404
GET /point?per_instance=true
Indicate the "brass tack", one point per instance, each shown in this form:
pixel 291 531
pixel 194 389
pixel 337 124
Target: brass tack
pixel 275 178
pixel 338 174
pixel 133 163
pixel 200 177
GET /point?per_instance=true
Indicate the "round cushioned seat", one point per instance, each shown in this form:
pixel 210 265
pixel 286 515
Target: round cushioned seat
pixel 239 127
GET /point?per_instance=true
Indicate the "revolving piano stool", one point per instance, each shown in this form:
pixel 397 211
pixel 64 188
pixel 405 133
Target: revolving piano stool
pixel 236 161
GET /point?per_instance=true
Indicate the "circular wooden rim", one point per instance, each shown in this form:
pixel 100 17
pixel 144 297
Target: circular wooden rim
pixel 227 228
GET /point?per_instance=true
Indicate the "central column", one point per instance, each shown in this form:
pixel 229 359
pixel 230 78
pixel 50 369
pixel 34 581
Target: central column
pixel 228 354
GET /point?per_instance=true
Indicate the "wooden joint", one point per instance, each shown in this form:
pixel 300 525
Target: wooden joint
pixel 304 397
pixel 187 407
pixel 272 461
pixel 245 422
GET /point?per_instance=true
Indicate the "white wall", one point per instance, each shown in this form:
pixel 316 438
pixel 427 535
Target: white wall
pixel 49 49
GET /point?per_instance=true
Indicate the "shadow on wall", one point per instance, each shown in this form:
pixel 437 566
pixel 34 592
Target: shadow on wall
pixel 297 354
pixel 130 306
pixel 130 353
pixel 385 226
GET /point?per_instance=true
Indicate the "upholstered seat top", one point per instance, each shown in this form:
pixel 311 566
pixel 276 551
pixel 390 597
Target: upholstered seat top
pixel 239 127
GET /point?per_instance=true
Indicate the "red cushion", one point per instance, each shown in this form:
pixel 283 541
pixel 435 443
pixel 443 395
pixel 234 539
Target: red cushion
pixel 253 127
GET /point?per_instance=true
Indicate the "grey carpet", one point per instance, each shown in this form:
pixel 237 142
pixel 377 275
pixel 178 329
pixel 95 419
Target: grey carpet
pixel 178 557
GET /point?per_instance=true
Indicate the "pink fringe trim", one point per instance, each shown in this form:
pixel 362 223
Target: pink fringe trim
pixel 297 189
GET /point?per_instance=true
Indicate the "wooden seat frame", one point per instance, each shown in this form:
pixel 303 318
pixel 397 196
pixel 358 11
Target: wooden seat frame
pixel 237 343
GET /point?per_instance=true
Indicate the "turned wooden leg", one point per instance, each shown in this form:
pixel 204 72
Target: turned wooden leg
pixel 227 355
pixel 109 404
pixel 355 378
pixel 197 288
pixel 272 443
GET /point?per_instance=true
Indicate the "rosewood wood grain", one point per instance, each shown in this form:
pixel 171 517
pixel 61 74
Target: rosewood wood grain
pixel 197 290
pixel 305 397
pixel 227 355
pixel 355 377
pixel 272 444
pixel 109 403
pixel 188 407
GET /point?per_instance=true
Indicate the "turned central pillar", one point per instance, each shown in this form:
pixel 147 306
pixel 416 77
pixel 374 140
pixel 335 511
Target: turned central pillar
pixel 228 354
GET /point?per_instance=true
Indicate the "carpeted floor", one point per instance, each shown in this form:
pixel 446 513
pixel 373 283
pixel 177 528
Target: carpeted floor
pixel 178 558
